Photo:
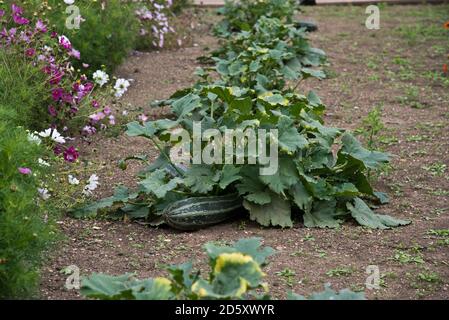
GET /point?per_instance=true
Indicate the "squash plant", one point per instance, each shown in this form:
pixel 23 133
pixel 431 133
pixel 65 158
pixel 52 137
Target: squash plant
pixel 323 186
pixel 241 15
pixel 236 272
pixel 267 55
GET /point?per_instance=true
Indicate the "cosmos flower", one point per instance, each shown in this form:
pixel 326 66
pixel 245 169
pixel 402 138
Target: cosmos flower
pixel 43 162
pixel 100 77
pixel 53 134
pixel 43 193
pixel 25 171
pixel 40 26
pixel 70 154
pixel 91 185
pixel 73 180
pixel 121 86
pixel 65 42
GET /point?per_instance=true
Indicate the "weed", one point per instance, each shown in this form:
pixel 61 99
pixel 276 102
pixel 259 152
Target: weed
pixel 287 275
pixel 340 272
pixel 404 257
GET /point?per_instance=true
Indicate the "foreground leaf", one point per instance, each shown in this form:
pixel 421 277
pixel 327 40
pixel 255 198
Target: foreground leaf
pixel 366 217
pixel 275 213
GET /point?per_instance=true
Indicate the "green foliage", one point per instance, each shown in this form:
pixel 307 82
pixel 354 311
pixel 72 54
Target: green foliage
pixel 106 35
pixel 26 228
pixel 243 14
pixel 235 274
pixel 267 55
pixel 372 125
pixel 23 92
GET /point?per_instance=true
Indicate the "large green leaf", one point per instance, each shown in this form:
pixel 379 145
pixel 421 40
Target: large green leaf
pixel 252 188
pixel 229 175
pixel 290 139
pixel 366 217
pixel 157 184
pixel 185 105
pixel 249 246
pixel 135 129
pixel 284 178
pixel 301 196
pixel 233 275
pixel 201 178
pixel 121 195
pixel 330 294
pixel 371 159
pixel 323 215
pixel 102 286
pixel 275 213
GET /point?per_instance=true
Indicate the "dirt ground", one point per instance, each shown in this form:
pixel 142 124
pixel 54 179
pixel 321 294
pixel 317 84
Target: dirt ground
pixel 397 68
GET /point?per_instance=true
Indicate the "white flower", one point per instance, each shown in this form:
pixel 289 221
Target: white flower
pixel 100 77
pixel 34 138
pixel 69 1
pixel 73 180
pixel 43 162
pixel 121 86
pixel 44 194
pixel 53 134
pixel 91 185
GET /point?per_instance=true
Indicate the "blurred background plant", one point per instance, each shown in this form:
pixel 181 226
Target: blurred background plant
pixel 27 228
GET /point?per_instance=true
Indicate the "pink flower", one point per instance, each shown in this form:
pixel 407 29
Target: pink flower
pixel 143 118
pixel 40 26
pixel 97 116
pixel 16 10
pixel 95 104
pixel 58 150
pixel 25 171
pixel 111 120
pixel 52 111
pixel 70 154
pixel 30 52
pixel 107 110
pixel 57 94
pixel 75 53
pixel 2 13
pixel 65 42
pixel 19 19
pixel 89 130
pixel 53 34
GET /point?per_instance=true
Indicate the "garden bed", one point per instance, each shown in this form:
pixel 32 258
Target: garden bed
pixel 397 68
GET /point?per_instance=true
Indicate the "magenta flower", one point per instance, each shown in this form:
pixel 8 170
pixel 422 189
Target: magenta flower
pixel 25 171
pixel 57 94
pixel 2 13
pixel 58 150
pixel 40 26
pixel 75 53
pixel 70 154
pixel 65 42
pixel 95 104
pixel 107 110
pixel 16 10
pixel 97 117
pixel 52 111
pixel 53 34
pixel 30 52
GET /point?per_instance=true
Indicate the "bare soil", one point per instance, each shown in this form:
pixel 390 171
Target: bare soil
pixel 398 68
